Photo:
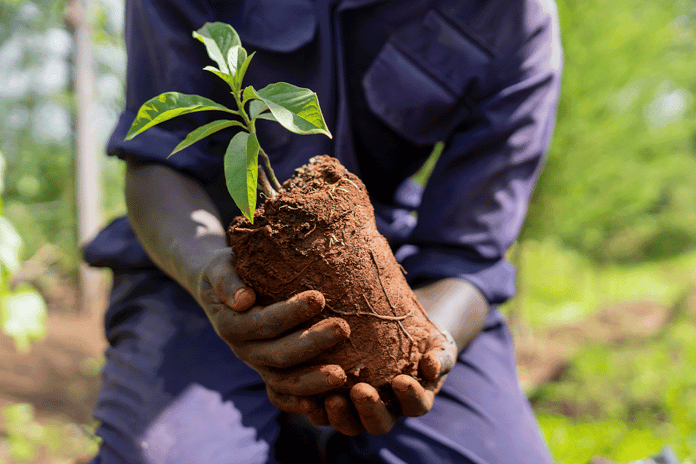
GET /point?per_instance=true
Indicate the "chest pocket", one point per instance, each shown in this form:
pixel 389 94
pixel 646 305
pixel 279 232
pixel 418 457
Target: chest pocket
pixel 270 25
pixel 427 77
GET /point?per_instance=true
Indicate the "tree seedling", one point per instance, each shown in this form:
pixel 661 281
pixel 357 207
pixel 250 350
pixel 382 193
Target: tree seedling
pixel 295 108
pixel 358 272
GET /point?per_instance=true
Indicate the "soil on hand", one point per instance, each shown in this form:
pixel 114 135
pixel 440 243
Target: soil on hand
pixel 320 234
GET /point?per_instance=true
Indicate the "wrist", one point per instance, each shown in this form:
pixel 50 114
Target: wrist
pixel 190 261
pixel 456 306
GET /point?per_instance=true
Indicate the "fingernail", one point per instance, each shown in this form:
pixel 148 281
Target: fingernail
pixel 335 376
pixel 315 301
pixel 244 297
pixel 363 393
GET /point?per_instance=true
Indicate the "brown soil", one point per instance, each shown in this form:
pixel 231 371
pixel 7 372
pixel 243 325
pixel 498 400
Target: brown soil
pixel 320 234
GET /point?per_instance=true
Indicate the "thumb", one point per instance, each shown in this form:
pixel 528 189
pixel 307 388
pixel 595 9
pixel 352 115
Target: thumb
pixel 243 299
pixel 224 284
pixel 440 358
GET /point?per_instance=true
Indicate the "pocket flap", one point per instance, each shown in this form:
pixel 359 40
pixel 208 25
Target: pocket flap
pixel 426 78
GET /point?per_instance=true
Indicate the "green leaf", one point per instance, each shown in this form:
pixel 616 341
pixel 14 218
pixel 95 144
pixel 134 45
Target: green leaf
pixel 256 107
pixel 23 316
pixel 10 244
pixel 241 71
pixel 225 77
pixel 241 172
pixel 223 46
pixel 295 108
pixel 249 94
pixel 170 105
pixel 204 131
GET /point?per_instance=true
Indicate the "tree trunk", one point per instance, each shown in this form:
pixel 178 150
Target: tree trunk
pixel 87 166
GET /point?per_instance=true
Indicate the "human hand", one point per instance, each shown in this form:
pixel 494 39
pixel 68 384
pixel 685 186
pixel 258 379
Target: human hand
pixel 268 338
pixel 363 409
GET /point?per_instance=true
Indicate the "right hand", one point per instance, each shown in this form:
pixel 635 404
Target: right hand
pixel 267 338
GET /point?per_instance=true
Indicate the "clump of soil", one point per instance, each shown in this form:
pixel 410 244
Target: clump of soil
pixel 319 233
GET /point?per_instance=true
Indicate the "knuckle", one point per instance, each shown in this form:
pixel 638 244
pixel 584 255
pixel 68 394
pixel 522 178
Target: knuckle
pixel 279 359
pixel 264 331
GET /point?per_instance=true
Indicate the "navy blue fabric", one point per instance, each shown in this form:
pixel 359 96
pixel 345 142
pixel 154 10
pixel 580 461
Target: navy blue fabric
pixel 174 393
pixel 393 78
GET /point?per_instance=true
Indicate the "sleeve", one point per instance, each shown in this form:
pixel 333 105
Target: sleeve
pixel 163 56
pixel 475 201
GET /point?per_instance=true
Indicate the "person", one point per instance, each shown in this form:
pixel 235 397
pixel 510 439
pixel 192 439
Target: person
pixel 193 368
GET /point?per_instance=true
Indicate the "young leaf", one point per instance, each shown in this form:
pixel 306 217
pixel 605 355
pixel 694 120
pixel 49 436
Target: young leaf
pixel 204 131
pixel 170 105
pixel 225 77
pixel 295 108
pixel 241 171
pixel 241 71
pixel 223 46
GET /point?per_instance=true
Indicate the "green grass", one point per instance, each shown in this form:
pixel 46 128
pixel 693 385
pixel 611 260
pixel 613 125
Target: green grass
pixel 558 284
pixel 623 401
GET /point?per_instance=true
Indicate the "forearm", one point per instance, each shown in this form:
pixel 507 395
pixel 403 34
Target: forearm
pixel 456 306
pixel 174 219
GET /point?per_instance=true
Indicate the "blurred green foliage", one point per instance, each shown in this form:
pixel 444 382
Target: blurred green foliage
pixel 618 186
pixel 22 309
pixel 31 440
pixel 561 285
pixel 610 221
pixel 37 104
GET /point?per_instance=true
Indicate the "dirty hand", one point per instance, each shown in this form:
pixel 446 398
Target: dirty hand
pixel 363 409
pixel 267 338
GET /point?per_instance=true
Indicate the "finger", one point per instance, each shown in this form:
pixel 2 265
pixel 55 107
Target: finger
pixel 434 385
pixel 297 347
pixel 435 364
pixel 315 412
pixel 288 403
pixel 221 285
pixel 244 298
pixel 306 381
pixel 440 358
pixel 341 416
pixel 270 321
pixel 413 398
pixel 374 415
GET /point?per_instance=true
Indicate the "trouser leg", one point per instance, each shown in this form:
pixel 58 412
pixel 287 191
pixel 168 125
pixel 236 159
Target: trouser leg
pixel 172 391
pixel 481 416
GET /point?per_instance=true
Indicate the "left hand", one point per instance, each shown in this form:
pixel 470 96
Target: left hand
pixel 363 409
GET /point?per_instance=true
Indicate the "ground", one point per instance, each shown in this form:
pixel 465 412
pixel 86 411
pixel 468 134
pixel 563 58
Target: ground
pixel 59 377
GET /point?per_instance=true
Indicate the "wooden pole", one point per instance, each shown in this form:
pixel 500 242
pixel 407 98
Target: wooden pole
pixel 87 165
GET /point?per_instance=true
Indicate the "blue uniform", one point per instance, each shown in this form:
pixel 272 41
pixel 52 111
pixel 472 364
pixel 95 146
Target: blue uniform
pixel 393 78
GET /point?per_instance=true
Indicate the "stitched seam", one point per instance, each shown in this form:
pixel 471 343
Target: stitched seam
pixel 472 38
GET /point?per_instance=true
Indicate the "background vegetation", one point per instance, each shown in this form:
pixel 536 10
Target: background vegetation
pixel 611 221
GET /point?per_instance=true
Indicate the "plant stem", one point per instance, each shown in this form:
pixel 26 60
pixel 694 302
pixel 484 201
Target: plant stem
pixel 271 174
pixel 265 185
pixel 268 188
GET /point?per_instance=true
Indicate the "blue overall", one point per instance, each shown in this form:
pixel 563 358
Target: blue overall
pixel 393 78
